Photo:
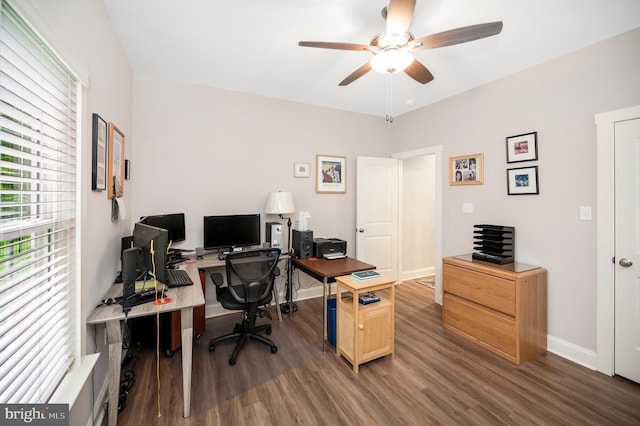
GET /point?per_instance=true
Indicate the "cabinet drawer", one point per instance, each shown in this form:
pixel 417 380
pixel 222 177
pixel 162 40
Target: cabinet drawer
pixel 488 290
pixel 494 329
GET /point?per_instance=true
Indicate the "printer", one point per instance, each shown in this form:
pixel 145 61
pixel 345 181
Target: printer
pixel 328 246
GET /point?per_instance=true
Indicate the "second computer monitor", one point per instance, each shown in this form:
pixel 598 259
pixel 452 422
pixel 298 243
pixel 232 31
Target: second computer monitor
pixel 229 231
pixel 153 242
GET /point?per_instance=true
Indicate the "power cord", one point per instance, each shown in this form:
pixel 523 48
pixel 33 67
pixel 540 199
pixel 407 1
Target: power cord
pixel 126 383
pixel 155 285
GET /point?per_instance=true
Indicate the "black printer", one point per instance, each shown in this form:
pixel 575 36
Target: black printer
pixel 324 246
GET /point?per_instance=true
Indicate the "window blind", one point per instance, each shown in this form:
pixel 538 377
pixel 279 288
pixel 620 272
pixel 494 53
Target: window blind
pixel 38 100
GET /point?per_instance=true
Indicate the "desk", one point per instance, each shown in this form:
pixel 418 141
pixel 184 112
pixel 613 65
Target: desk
pixel 326 271
pixel 184 299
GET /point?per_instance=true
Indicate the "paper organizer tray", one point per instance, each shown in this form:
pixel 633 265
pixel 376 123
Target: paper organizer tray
pixel 494 243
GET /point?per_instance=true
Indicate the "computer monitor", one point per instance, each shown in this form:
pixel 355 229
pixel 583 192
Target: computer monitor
pixel 174 223
pixel 143 236
pixel 229 231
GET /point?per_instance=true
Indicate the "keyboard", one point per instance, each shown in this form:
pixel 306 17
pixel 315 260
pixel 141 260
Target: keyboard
pixel 178 278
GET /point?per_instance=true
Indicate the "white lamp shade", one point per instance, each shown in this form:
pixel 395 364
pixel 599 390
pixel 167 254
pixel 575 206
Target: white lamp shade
pixel 279 203
pixel 391 61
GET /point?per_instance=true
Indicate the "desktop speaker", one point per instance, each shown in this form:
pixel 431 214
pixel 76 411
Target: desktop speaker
pixel 199 252
pixel 129 262
pixel 125 243
pixel 275 236
pixel 302 244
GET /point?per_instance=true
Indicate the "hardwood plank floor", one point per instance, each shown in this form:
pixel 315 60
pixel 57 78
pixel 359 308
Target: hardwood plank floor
pixel 436 378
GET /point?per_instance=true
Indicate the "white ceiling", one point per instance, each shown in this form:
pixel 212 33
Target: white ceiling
pixel 251 46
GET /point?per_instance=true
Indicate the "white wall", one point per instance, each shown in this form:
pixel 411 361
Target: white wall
pixel 205 151
pixel 558 100
pixel 83 29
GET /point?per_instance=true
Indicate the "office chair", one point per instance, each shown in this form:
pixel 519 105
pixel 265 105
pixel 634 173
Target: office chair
pixel 250 280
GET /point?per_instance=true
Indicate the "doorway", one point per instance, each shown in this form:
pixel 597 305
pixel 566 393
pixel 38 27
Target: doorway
pixel 421 228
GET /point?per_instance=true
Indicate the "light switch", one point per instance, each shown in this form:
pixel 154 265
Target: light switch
pixel 585 213
pixel 467 207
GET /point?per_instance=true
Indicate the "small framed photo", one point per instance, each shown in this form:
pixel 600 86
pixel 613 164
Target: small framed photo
pixel 99 154
pixel 466 170
pixel 301 170
pixel 522 147
pixel 522 180
pixel 331 177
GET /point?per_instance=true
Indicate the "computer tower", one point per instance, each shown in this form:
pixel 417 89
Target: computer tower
pixel 129 262
pixel 275 235
pixel 302 244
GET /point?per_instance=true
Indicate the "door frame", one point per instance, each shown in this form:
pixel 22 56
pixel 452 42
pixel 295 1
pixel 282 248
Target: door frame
pixel 605 234
pixel 437 151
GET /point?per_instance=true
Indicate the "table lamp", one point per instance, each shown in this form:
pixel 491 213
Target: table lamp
pixel 281 203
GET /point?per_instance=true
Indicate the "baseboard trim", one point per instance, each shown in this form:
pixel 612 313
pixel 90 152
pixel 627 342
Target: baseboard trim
pixel 418 273
pixel 572 352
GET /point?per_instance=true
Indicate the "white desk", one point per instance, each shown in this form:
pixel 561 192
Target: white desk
pixel 184 299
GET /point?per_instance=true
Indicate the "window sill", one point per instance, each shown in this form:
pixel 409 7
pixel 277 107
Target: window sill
pixel 74 380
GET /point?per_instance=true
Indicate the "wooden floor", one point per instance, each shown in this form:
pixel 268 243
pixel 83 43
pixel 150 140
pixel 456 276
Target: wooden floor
pixel 435 378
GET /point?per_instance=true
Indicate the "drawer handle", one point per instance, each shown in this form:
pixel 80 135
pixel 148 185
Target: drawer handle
pixel 361 327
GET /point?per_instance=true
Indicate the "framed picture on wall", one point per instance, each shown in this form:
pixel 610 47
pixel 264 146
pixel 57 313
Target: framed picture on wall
pixel 115 163
pixel 331 177
pixel 522 147
pixel 99 154
pixel 301 170
pixel 466 170
pixel 522 180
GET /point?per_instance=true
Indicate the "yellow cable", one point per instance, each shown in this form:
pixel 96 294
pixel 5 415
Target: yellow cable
pixel 155 285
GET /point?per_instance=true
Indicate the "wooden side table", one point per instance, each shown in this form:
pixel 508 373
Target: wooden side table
pixel 364 332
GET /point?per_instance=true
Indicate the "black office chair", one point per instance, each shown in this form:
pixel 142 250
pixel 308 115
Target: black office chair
pixel 250 280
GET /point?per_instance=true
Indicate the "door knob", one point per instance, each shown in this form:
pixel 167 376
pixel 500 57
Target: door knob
pixel 625 262
pixel 361 230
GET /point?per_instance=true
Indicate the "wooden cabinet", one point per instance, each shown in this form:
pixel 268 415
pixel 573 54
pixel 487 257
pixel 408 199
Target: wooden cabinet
pixel 501 307
pixel 364 332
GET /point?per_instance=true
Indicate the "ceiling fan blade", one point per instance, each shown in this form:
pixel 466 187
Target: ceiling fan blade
pixel 338 46
pixel 399 15
pixel 356 74
pixel 457 36
pixel 419 72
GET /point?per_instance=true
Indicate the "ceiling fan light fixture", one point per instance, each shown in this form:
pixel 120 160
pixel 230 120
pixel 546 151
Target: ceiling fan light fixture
pixel 391 61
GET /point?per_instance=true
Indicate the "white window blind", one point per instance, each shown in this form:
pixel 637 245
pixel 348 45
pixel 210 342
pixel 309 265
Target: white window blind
pixel 37 214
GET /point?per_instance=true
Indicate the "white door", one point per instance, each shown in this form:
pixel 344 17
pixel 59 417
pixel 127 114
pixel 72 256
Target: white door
pixel 627 249
pixel 377 225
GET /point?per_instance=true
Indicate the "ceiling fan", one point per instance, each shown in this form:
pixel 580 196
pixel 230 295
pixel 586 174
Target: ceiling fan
pixel 392 49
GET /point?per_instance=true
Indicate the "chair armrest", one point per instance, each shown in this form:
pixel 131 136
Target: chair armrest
pixel 217 278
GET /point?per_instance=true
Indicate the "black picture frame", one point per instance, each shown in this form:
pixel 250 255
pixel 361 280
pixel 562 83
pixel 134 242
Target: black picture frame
pixel 99 154
pixel 523 181
pixel 522 147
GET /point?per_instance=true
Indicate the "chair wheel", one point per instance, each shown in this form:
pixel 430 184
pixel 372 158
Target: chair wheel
pixel 169 353
pixel 269 330
pixel 274 349
pixel 212 347
pixel 232 361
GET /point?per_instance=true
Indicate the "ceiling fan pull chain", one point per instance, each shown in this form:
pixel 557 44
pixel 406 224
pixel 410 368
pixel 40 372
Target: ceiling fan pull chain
pixel 389 116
